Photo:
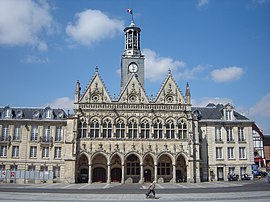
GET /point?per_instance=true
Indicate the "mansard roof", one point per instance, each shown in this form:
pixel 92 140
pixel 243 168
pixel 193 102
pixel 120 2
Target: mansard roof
pixel 32 113
pixel 215 112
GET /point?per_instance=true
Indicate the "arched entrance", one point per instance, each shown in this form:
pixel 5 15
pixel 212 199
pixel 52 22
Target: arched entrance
pixel 116 169
pixel 164 168
pixel 99 166
pixel 133 168
pixel 181 169
pixel 99 174
pixel 116 175
pixel 148 165
pixel 82 170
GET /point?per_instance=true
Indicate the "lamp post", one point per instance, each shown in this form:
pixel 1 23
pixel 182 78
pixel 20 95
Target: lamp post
pixel 26 143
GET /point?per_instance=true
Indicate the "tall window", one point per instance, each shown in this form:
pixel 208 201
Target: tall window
pixel 15 151
pixel 48 114
pixel 163 169
pixel 170 131
pixel 229 134
pixel 34 133
pixel 242 153
pixel 219 153
pixel 107 128
pixel 33 152
pixel 133 165
pixel 132 129
pixel 231 170
pixel 241 135
pixel 230 153
pixel 17 132
pixel 158 129
pixel 58 134
pixel 3 151
pixel 120 129
pixel 46 134
pixel 56 171
pixel 82 129
pixel 45 152
pixel 182 130
pixel 218 136
pixel 243 170
pixel 57 152
pixel 94 129
pixel 228 115
pixel 145 129
pixel 5 133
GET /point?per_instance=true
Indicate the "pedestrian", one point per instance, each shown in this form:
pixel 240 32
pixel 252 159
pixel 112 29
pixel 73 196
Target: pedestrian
pixel 151 189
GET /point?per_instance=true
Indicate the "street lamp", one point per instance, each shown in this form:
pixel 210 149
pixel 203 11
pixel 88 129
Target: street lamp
pixel 25 163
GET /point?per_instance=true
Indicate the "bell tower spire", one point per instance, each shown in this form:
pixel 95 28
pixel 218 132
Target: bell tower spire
pixel 132 61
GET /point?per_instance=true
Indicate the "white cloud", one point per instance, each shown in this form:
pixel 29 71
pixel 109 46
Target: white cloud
pixel 262 107
pixel 21 22
pixel 157 67
pixel 202 3
pixel 206 100
pixel 64 103
pixel 32 59
pixel 92 26
pixel 260 1
pixel 227 74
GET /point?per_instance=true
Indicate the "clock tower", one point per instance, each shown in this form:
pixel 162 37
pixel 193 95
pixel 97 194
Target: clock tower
pixel 132 61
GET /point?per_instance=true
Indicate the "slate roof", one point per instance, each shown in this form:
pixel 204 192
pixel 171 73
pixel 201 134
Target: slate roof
pixel 32 113
pixel 215 112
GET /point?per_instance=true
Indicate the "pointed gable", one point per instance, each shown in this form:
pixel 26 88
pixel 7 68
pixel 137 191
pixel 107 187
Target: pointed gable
pixel 96 91
pixel 133 92
pixel 169 93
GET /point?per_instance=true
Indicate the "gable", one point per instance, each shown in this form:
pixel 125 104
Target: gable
pixel 133 92
pixel 95 92
pixel 170 93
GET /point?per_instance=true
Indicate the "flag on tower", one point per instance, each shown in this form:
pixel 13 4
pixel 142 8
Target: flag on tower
pixel 129 11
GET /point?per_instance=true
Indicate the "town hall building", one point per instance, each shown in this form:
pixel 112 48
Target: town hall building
pixel 131 139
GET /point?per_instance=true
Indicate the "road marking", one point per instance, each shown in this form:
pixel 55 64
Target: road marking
pixel 106 186
pixel 83 186
pixel 160 186
pixel 67 186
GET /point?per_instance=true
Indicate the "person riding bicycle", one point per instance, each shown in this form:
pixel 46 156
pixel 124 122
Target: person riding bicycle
pixel 151 189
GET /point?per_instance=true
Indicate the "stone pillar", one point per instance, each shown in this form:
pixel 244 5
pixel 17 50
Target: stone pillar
pixel 174 174
pixel 90 173
pixel 109 174
pixel 141 179
pixel 155 177
pixel 123 174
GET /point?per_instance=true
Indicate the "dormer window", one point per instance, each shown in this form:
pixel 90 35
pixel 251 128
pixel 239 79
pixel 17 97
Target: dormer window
pixel 7 113
pixel 48 114
pixel 228 114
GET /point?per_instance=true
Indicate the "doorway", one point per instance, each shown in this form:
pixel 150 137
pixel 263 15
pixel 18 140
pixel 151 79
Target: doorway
pixel 147 175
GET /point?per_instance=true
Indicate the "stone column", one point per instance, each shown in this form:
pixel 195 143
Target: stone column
pixel 109 174
pixel 141 179
pixel 89 173
pixel 155 177
pixel 174 174
pixel 123 174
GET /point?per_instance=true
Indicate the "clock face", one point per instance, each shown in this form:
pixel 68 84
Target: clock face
pixel 133 68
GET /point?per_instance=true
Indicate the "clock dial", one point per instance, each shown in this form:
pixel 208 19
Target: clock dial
pixel 133 68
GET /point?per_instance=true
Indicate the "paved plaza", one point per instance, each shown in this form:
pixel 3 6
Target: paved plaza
pixel 207 191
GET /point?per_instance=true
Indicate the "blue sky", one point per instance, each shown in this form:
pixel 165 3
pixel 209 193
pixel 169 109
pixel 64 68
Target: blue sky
pixel 222 48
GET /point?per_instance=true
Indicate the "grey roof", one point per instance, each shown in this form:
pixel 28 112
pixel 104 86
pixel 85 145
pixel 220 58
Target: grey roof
pixel 32 113
pixel 215 112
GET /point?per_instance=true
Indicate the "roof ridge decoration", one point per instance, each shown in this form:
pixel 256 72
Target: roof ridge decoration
pixel 169 92
pixel 133 92
pixel 96 90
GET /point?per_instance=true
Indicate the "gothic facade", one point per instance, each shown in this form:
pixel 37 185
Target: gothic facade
pixel 131 139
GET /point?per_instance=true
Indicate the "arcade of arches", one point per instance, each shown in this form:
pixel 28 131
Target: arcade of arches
pixel 131 168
